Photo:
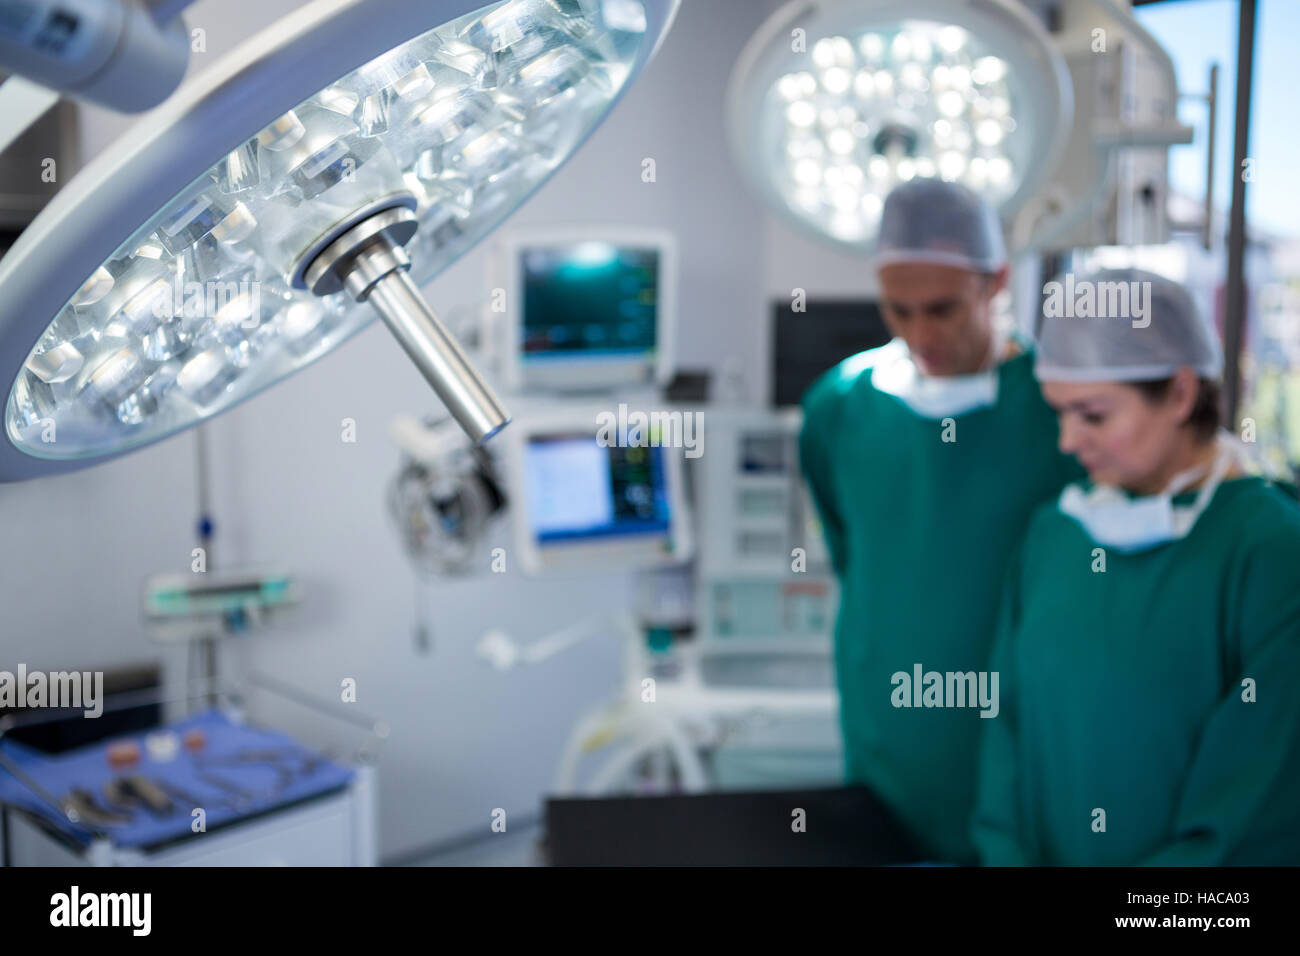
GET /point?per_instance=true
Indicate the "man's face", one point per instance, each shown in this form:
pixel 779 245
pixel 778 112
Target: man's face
pixel 943 313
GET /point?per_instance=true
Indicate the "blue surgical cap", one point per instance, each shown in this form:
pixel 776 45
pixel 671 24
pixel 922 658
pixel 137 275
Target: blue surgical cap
pixel 1122 325
pixel 931 220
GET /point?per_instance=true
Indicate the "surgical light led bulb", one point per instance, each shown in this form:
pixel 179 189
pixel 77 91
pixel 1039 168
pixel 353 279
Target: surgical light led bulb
pixel 262 220
pixel 966 90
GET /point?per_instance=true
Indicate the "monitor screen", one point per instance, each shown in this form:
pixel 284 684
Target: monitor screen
pixel 580 490
pixel 807 343
pixel 588 300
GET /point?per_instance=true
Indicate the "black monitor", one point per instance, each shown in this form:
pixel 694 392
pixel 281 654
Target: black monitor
pixel 807 343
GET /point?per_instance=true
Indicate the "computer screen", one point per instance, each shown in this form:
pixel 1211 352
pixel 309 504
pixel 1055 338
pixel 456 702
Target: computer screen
pixel 808 342
pixel 588 309
pixel 581 501
pixel 580 490
pixel 589 299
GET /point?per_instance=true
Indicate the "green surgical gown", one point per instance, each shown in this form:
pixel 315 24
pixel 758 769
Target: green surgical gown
pixel 919 531
pixel 1122 692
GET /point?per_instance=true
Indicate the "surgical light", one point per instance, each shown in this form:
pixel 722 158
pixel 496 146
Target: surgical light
pixel 966 90
pixel 277 203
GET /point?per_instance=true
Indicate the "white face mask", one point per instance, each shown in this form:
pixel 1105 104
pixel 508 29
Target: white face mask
pixel 1114 520
pixel 936 396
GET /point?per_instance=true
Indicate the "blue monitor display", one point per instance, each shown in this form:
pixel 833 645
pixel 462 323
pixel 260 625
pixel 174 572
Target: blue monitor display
pixel 579 489
pixel 589 299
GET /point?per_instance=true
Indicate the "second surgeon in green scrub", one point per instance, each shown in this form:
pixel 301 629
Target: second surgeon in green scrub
pixel 925 458
pixel 1149 650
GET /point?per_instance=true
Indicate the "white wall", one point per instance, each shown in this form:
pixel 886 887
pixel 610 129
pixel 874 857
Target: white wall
pixel 289 492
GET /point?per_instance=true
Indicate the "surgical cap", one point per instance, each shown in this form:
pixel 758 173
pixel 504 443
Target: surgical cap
pixel 930 220
pixel 1122 325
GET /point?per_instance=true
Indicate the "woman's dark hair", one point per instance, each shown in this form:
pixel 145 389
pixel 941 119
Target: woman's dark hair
pixel 1204 418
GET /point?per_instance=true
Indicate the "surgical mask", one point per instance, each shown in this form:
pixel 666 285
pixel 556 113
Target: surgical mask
pixel 937 396
pixel 1114 520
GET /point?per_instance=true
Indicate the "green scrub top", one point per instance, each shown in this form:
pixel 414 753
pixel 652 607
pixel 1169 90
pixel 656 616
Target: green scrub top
pixel 920 530
pixel 1122 691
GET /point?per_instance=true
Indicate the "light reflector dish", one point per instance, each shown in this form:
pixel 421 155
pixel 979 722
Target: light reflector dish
pixel 835 102
pixel 464 113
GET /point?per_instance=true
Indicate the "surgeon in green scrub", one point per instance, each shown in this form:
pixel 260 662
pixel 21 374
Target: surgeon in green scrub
pixel 1149 648
pixel 925 458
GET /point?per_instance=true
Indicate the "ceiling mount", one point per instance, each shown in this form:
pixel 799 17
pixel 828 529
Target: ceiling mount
pixel 369 262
